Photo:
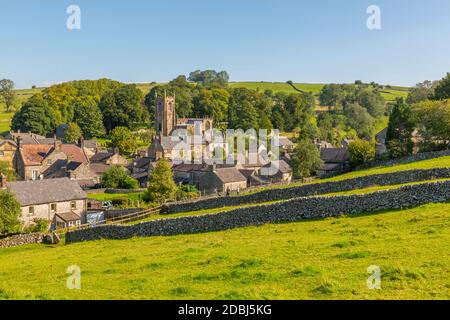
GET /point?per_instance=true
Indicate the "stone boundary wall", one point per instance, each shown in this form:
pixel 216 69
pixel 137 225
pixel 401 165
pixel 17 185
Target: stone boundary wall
pixel 283 212
pixel 309 190
pixel 406 160
pixel 21 239
pixel 117 213
pixel 123 191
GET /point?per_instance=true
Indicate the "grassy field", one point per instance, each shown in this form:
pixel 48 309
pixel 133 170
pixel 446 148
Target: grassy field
pixel 323 259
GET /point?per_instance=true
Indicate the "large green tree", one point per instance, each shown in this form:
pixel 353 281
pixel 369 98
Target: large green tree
pixel 359 119
pixel 421 92
pixel 212 103
pixel 399 132
pixel 36 115
pixel 306 159
pixel 124 107
pixel 442 90
pixel 10 213
pixel 209 77
pixel 7 93
pixel 161 186
pixel 433 123
pixel 242 113
pixel 124 140
pixel 73 133
pixel 89 118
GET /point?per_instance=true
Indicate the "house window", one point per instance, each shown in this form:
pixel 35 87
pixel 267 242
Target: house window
pixel 53 208
pixel 73 205
pixel 31 211
pixel 34 175
pixel 2 154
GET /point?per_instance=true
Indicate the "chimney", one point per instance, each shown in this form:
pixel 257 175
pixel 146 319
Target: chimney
pixel 57 144
pixel 19 142
pixel 212 167
pixel 3 181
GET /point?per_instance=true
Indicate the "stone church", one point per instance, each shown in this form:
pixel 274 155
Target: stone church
pixel 166 122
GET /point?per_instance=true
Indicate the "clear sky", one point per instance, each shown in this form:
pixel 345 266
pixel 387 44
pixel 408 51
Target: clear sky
pixel 318 41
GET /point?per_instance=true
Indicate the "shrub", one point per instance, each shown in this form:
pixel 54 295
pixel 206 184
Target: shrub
pixel 10 213
pixel 116 177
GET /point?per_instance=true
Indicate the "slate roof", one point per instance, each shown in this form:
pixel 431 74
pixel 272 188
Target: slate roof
pixel 101 156
pixel 229 175
pixel 68 216
pixel 28 138
pixel 335 155
pixel 46 191
pixel 60 169
pixel 285 142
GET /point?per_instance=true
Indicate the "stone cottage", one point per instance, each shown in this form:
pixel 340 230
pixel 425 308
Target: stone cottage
pixel 46 199
pixel 8 151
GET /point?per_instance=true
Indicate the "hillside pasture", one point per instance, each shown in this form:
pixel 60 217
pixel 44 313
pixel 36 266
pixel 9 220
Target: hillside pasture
pixel 322 259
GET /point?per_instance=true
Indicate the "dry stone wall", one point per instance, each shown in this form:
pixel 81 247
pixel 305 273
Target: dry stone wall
pixel 288 211
pixel 310 190
pixel 408 159
pixel 21 239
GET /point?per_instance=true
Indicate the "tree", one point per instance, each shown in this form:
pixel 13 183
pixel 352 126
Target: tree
pixel 123 139
pixel 359 119
pixel 209 77
pixel 399 132
pixel 10 213
pixel 36 115
pixel 361 151
pixel 161 187
pixel 116 177
pixel 89 118
pixel 306 159
pixel 442 90
pixel 421 92
pixel 124 107
pixel 73 133
pixel 7 93
pixel 242 113
pixel 433 123
pixel 212 103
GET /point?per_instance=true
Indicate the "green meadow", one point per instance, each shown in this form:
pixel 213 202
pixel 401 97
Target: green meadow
pixel 322 259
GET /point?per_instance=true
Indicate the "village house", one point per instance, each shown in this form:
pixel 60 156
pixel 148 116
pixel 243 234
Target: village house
pixel 286 144
pixel 61 201
pixel 222 180
pixel 336 161
pixel 100 162
pixel 28 138
pixel 57 160
pixel 8 150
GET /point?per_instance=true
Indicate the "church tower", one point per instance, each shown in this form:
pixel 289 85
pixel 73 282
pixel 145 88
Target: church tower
pixel 165 117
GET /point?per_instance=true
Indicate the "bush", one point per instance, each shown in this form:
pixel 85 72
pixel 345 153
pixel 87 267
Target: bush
pixel 10 213
pixel 186 192
pixel 41 226
pixel 361 151
pixel 117 178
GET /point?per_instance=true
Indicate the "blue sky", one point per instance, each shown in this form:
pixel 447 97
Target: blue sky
pixel 317 41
